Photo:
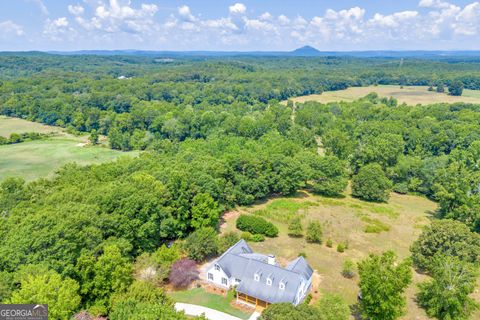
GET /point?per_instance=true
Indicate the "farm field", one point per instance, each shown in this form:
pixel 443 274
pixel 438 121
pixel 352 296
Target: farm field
pixel 411 95
pixel 41 158
pixel 344 220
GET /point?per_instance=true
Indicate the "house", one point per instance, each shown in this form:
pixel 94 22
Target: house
pixel 258 278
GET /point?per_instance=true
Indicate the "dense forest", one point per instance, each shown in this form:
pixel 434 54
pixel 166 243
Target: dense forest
pixel 215 137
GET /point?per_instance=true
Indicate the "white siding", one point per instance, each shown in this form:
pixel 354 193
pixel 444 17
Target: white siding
pixel 218 275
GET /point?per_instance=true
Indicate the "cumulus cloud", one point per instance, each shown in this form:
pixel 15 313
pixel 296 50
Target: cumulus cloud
pixel 10 28
pixel 76 10
pixel 58 29
pixel 185 14
pixel 237 8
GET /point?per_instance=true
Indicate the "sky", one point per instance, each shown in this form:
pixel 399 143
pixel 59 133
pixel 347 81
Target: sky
pixel 262 25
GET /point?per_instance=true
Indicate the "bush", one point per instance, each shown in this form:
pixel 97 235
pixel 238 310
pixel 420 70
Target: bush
pixel 371 184
pixel 295 228
pixel 256 225
pixel 455 88
pixel 314 232
pixel 302 254
pixel 401 188
pixel 348 269
pixel 329 243
pixel 247 236
pixel 257 238
pixel 202 244
pixel 184 272
pixel 341 247
pixel 227 240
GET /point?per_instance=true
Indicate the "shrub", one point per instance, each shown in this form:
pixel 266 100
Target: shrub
pixel 184 272
pixel 401 188
pixel 455 88
pixel 348 269
pixel 247 236
pixel 308 298
pixel 340 247
pixel 227 240
pixel 295 228
pixel 371 184
pixel 256 225
pixel 329 243
pixel 257 238
pixel 314 232
pixel 302 254
pixel 202 244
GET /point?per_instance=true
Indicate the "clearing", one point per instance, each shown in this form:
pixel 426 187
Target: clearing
pixel 41 158
pixel 367 227
pixel 411 95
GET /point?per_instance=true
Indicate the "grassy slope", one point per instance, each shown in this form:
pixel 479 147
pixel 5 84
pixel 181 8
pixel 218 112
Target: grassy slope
pixel 198 296
pixel 40 158
pixel 344 220
pixel 409 94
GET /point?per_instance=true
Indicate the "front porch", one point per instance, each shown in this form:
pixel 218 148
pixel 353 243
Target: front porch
pixel 252 301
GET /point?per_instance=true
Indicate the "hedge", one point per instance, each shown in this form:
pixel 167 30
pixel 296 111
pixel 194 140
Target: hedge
pixel 256 225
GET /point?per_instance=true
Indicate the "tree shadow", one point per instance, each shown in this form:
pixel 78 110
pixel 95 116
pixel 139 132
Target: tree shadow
pixel 355 311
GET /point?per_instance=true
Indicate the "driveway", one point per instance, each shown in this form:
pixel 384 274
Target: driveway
pixel 194 310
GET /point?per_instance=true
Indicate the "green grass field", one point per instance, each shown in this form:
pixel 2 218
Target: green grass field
pixel 200 297
pixel 367 227
pixel 41 158
pixel 411 95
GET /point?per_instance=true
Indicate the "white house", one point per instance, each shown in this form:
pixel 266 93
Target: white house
pixel 259 280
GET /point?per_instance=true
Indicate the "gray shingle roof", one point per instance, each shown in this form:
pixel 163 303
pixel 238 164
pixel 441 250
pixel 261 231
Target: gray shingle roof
pixel 240 262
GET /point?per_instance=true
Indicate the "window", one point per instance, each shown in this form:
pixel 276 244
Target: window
pixel 210 276
pixel 217 267
pixel 269 282
pixel 281 286
pixel 224 281
pixel 257 277
pixel 237 280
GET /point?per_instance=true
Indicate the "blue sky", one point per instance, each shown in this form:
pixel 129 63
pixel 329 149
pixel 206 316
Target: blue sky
pixel 341 25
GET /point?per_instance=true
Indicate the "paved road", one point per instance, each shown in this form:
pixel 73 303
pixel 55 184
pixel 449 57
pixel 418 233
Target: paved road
pixel 194 310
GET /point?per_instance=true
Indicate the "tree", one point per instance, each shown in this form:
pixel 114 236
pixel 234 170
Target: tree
pixel 348 269
pixel 382 284
pixel 329 176
pixel 93 137
pixel 287 311
pixel 295 228
pixel 184 272
pixel 445 238
pixel 143 301
pixel 332 307
pixel 314 232
pixel 446 296
pixel 455 88
pixel 61 295
pixel 202 244
pixel 371 184
pixel 440 88
pixel 205 211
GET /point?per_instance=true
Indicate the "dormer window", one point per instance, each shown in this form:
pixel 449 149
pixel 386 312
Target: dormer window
pixel 281 286
pixel 257 277
pixel 269 282
pixel 217 267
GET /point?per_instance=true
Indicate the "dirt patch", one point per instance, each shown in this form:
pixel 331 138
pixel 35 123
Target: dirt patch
pixel 226 218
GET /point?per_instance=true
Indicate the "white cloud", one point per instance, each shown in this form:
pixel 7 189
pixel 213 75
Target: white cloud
pixel 10 28
pixel 237 8
pixel 433 4
pixel 266 16
pixel 58 29
pixel 392 20
pixel 41 6
pixel 283 20
pixel 185 14
pixel 76 10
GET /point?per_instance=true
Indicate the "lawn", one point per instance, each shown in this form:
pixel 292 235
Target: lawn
pixel 411 95
pixel 41 158
pixel 200 297
pixel 15 125
pixel 367 227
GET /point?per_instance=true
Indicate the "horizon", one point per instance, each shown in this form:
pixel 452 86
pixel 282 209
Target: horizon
pixel 239 26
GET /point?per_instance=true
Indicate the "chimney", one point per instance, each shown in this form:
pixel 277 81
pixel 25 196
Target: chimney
pixel 271 259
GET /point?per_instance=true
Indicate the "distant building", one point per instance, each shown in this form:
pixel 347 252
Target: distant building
pixel 259 280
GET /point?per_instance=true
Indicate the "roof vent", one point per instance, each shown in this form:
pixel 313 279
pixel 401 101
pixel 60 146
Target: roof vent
pixel 271 259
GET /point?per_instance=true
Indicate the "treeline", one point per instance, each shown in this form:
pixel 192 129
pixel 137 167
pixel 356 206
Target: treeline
pixel 189 97
pixel 21 137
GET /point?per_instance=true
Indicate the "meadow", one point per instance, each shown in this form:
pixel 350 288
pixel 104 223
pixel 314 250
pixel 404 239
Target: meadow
pixel 41 158
pixel 365 227
pixel 411 95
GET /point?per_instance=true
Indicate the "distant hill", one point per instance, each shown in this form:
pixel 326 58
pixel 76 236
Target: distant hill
pixel 306 51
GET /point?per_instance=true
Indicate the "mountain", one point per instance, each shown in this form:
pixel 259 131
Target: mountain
pixel 306 51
